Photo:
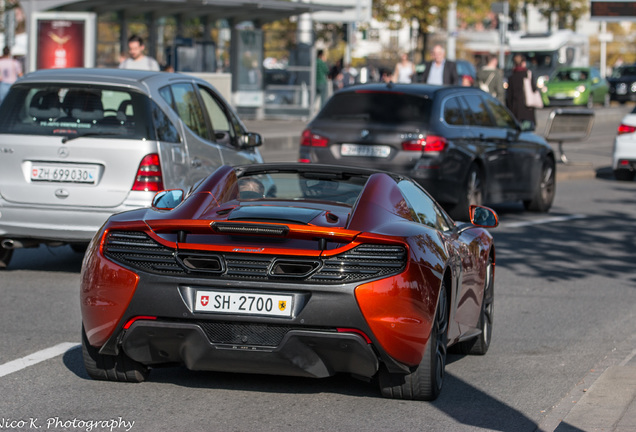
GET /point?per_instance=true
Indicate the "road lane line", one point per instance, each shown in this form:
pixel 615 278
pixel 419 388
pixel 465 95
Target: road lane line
pixel 543 221
pixel 36 357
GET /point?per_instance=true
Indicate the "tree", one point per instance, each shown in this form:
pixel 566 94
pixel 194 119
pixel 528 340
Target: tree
pixel 568 12
pixel 427 14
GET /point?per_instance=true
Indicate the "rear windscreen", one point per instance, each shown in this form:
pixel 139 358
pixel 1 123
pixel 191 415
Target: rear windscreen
pixel 75 111
pixel 378 107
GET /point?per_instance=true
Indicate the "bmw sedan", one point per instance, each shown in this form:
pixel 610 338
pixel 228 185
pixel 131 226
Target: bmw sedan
pixel 77 145
pixel 460 143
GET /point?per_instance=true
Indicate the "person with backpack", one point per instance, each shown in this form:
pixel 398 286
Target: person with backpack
pixel 490 79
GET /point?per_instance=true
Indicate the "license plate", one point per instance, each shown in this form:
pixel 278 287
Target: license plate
pixel 64 173
pixel 243 303
pixel 365 150
pixel 560 96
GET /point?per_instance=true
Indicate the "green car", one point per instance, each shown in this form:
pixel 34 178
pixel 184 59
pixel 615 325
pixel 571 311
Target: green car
pixel 570 86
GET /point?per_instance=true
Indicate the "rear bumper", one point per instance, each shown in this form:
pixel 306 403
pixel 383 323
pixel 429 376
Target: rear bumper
pixel 309 353
pixel 624 152
pixel 64 224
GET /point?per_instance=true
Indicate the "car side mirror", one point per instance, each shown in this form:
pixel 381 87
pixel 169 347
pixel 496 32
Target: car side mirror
pixel 167 199
pixel 483 216
pixel 527 126
pixel 251 139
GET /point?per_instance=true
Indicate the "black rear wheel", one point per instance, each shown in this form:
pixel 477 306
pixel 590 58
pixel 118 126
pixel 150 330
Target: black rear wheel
pixel 544 190
pixel 5 257
pixel 425 382
pixel 624 175
pixel 111 368
pixel 473 193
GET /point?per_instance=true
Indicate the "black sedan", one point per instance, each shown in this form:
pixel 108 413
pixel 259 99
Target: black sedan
pixel 622 83
pixel 460 143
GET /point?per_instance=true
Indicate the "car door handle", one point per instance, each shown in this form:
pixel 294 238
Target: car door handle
pixel 196 162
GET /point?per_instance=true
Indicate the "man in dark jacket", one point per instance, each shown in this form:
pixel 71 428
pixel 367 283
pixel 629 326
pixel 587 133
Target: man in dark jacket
pixel 439 70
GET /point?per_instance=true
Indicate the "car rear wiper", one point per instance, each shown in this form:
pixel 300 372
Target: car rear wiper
pixel 68 138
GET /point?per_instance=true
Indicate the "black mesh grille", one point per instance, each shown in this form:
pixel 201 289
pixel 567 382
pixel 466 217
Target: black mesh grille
pixel 244 333
pixel 139 251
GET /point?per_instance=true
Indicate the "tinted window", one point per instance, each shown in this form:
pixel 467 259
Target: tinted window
pixel 453 112
pixel 50 109
pixel 427 212
pixel 500 113
pixel 383 107
pixel 226 128
pixel 478 108
pixel 186 103
pixel 166 131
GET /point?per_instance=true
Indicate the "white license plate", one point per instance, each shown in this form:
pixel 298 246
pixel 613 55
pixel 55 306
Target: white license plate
pixel 560 96
pixel 64 173
pixel 365 150
pixel 243 303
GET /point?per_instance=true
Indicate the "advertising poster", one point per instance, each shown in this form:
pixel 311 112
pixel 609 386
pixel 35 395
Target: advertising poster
pixel 62 40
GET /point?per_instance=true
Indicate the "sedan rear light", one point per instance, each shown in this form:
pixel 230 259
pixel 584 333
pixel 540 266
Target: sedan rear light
pixel 149 176
pixel 431 143
pixel 310 139
pixel 623 129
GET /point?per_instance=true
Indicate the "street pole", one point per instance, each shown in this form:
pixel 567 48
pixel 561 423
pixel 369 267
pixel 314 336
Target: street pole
pixel 451 46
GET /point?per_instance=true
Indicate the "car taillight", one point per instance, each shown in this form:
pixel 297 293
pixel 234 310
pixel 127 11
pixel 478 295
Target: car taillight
pixel 623 129
pixel 431 143
pixel 311 139
pixel 149 176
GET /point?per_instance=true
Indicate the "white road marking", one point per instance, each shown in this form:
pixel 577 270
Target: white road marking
pixel 543 221
pixel 35 358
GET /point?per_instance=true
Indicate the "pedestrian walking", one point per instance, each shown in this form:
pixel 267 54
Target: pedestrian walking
pixel 10 71
pixel 137 59
pixel 490 79
pixel 440 71
pixel 404 70
pixel 321 77
pixel 515 95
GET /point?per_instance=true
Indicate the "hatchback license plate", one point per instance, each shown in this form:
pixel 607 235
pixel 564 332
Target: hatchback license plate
pixel 365 150
pixel 243 303
pixel 63 174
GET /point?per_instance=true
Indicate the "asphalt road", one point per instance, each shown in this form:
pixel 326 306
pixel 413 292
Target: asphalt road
pixel 565 309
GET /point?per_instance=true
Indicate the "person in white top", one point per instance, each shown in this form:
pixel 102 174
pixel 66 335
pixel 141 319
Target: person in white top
pixel 10 71
pixel 137 59
pixel 404 70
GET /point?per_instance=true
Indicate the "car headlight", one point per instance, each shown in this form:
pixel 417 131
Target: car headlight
pixel 580 88
pixel 542 81
pixel 633 87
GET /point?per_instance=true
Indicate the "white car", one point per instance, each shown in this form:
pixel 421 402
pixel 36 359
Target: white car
pixel 77 145
pixel 624 153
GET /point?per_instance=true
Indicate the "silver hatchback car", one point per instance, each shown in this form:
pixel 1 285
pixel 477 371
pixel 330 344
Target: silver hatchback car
pixel 77 145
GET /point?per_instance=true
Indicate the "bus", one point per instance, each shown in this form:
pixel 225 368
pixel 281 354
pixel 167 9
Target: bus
pixel 545 52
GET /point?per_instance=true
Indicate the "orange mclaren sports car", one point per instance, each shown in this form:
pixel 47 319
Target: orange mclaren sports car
pixel 290 269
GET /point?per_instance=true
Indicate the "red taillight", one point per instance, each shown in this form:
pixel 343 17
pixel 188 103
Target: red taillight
pixel 149 176
pixel 310 139
pixel 430 143
pixel 623 129
pixel 137 318
pixel 356 331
